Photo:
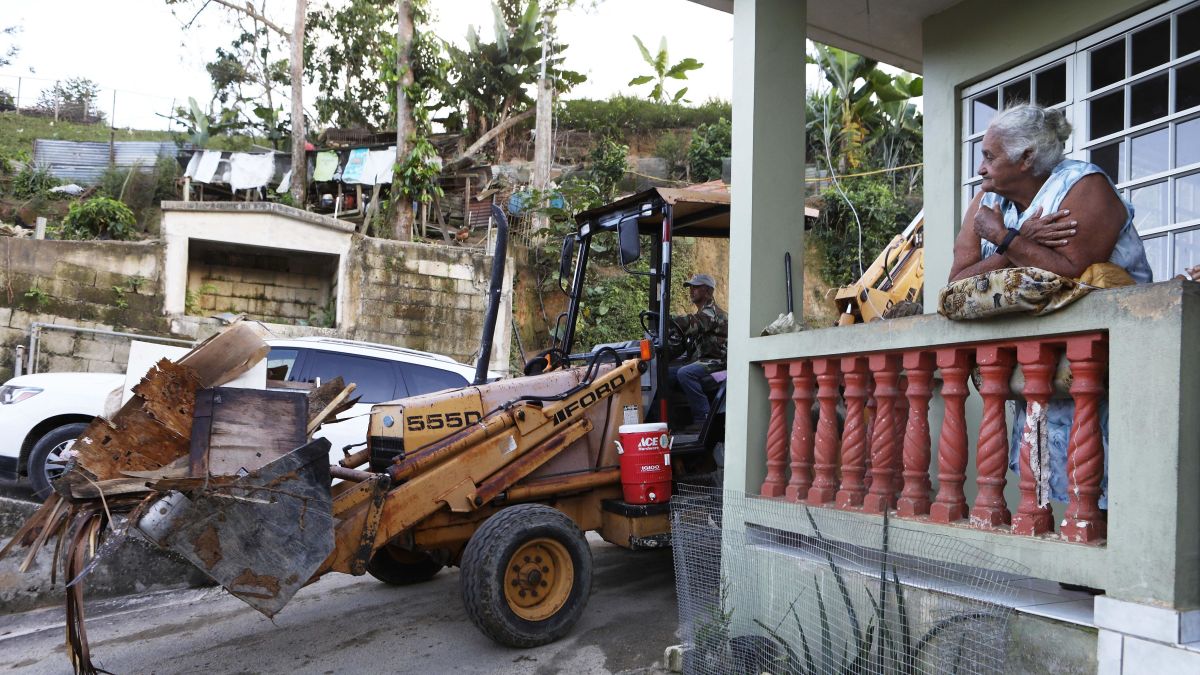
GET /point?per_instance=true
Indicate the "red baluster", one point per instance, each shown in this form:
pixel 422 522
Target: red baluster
pixel 824 485
pixel 995 365
pixel 951 504
pixel 854 433
pixel 777 380
pixel 1038 361
pixel 899 422
pixel 1085 522
pixel 870 414
pixel 802 430
pixel 914 500
pixel 886 371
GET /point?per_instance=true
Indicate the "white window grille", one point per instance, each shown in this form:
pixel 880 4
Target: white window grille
pixel 1132 94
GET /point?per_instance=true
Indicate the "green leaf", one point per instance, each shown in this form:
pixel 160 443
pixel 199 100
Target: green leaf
pixel 641 79
pixel 661 59
pixel 679 95
pixel 500 27
pixel 645 52
pixel 679 70
pixel 657 93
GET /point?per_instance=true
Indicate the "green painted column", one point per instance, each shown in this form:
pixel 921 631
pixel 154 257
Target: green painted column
pixel 767 211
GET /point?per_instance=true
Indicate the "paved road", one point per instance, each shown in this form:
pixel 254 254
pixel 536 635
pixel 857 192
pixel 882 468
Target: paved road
pixel 15 490
pixel 348 624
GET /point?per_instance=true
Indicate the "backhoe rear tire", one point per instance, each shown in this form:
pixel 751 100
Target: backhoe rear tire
pixel 526 576
pixel 400 567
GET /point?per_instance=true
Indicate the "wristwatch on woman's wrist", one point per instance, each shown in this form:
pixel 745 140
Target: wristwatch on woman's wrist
pixel 1008 239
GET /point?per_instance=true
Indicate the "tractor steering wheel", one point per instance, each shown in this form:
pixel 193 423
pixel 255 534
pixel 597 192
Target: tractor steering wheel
pixel 676 343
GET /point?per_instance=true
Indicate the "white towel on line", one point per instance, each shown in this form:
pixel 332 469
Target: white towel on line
pixel 251 170
pixel 207 166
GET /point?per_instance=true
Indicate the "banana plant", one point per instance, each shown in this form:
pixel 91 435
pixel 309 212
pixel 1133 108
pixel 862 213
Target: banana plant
pixel 660 63
pixel 860 102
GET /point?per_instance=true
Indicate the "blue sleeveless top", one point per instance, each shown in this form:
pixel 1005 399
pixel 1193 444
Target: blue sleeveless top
pixel 1129 252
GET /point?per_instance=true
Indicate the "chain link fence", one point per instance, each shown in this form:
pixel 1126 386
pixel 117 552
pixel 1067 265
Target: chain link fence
pixel 831 592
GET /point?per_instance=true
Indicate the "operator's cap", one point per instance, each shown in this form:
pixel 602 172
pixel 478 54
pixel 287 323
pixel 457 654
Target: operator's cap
pixel 701 280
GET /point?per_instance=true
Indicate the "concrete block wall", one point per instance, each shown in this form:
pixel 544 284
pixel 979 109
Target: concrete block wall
pixel 419 296
pixel 431 298
pixel 104 285
pixel 263 295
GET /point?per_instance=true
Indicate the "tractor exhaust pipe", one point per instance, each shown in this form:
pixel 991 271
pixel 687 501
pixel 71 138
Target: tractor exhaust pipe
pixel 489 320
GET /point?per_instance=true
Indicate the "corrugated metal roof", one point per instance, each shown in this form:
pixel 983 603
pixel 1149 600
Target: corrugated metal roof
pixel 84 161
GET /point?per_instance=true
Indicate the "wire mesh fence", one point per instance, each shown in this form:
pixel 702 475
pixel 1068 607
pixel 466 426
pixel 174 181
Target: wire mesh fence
pixel 799 591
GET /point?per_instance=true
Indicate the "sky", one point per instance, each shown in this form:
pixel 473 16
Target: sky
pixel 142 51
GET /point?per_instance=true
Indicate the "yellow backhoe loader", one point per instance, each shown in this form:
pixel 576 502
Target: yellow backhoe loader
pixel 501 479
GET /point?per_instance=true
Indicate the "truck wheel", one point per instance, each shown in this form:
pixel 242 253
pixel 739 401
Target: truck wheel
pixel 401 567
pixel 526 575
pixel 46 460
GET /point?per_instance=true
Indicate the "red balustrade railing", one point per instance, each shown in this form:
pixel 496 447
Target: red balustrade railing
pixel 878 455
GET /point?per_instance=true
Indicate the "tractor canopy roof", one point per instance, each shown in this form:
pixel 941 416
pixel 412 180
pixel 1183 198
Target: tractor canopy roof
pixel 700 210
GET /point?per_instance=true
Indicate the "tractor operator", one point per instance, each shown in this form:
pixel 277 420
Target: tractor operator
pixel 707 332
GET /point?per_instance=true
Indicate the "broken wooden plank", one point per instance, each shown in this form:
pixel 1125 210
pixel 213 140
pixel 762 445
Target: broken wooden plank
pixel 224 356
pixel 248 428
pixel 334 406
pixel 320 397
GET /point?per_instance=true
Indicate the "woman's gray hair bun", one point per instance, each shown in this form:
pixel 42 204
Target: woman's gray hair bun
pixel 1042 131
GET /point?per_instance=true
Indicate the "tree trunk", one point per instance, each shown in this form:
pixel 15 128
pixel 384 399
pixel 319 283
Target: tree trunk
pixel 464 159
pixel 401 203
pixel 542 146
pixel 299 184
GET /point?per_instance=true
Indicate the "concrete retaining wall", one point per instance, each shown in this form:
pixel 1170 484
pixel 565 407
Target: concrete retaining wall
pixel 104 285
pixel 419 296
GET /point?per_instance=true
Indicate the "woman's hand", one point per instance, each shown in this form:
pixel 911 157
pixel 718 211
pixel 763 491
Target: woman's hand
pixel 989 224
pixel 1052 231
pixel 1191 274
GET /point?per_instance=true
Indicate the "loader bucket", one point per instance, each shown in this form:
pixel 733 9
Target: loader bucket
pixel 261 536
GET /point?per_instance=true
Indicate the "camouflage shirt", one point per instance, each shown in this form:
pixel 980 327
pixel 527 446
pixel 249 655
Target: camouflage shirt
pixel 708 329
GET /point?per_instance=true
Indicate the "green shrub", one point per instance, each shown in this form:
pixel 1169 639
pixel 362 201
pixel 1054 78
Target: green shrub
pixel 623 115
pixel 32 181
pixel 673 150
pixel 883 216
pixel 609 164
pixel 99 218
pixel 141 189
pixel 710 144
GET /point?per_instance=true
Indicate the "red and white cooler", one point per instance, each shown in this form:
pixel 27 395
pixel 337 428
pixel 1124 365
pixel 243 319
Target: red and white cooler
pixel 645 454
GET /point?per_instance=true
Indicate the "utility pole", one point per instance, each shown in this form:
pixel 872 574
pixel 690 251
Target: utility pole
pixel 401 204
pixel 542 142
pixel 299 183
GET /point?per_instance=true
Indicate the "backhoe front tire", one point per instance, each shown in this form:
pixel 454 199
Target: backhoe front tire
pixel 400 567
pixel 526 576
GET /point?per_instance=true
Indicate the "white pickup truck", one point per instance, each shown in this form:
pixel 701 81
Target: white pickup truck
pixel 42 414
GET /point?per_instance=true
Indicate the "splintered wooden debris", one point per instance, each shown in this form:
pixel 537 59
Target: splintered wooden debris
pixel 147 433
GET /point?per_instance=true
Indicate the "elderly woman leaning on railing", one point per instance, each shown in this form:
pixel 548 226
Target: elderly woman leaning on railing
pixel 1043 231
